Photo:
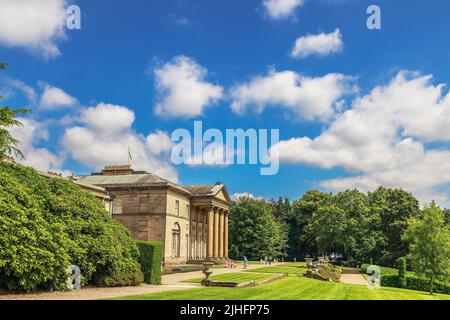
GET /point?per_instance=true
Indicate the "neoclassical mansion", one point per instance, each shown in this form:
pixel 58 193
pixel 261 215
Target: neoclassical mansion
pixel 190 221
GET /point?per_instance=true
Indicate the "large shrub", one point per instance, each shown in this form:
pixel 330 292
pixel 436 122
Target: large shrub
pixel 151 256
pixel 48 224
pixel 402 272
pixel 415 283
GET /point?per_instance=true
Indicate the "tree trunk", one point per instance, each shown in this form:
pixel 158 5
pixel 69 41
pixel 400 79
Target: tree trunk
pixel 431 285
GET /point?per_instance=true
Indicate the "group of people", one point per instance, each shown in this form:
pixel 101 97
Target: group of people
pixel 265 261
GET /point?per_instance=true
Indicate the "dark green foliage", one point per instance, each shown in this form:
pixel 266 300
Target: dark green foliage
pixel 48 224
pixel 301 242
pixel 151 256
pixel 281 211
pixel 254 232
pixel 402 272
pixel 394 208
pixel 415 283
pixel 122 279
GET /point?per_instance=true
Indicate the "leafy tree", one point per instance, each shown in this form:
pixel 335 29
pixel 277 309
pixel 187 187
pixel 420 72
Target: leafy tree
pixel 402 272
pixel 254 232
pixel 394 207
pixel 301 242
pixel 281 212
pixel 361 236
pixel 429 244
pixel 328 226
pixel 8 119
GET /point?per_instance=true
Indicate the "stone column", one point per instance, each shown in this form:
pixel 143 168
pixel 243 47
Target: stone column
pixel 221 233
pixel 205 234
pixel 197 232
pixel 225 236
pixel 216 233
pixel 210 233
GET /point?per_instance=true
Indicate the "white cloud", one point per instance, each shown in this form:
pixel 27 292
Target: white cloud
pixel 108 118
pixel 55 98
pixel 183 91
pixel 307 98
pixel 159 142
pixel 36 25
pixel 381 139
pixel 279 9
pixel 30 134
pixel 105 136
pixel 239 195
pixel 320 44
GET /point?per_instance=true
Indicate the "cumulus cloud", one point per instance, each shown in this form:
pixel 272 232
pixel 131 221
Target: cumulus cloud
pixel 322 44
pixel 382 139
pixel 53 98
pixel 182 89
pixel 239 195
pixel 279 9
pixel 159 142
pixel 36 25
pixel 31 134
pixel 307 98
pixel 105 136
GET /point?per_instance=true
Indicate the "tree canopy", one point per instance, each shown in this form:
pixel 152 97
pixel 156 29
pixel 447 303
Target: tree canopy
pixel 359 227
pixel 8 119
pixel 429 243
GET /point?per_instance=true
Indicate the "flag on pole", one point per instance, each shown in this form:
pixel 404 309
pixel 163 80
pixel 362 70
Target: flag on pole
pixel 130 158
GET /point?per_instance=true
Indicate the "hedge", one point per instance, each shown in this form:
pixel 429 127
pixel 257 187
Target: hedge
pixel 151 256
pixel 415 283
pixel 122 279
pixel 48 224
pixel 402 272
pixel 384 270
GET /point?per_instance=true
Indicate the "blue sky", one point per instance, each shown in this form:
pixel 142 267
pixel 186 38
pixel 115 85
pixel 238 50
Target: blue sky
pixel 113 59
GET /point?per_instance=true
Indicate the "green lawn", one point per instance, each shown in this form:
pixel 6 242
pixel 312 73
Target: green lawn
pixel 294 264
pixel 291 288
pixel 249 262
pixel 235 277
pixel 279 270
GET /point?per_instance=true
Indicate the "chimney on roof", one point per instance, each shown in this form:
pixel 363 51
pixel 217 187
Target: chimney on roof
pixel 117 170
pixel 218 183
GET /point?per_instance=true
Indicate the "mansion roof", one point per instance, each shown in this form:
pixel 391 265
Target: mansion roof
pixel 107 179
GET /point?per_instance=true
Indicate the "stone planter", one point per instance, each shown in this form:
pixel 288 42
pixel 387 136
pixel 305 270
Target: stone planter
pixel 207 271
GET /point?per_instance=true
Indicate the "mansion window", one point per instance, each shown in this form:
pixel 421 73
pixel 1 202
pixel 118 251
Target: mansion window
pixel 176 240
pixel 177 207
pixel 117 206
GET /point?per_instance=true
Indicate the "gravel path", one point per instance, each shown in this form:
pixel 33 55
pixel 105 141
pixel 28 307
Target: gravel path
pixel 353 279
pixel 169 282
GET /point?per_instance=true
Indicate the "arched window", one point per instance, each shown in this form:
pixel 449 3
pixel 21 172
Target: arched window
pixel 176 240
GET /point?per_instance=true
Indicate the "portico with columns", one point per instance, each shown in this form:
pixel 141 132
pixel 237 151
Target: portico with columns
pixel 209 223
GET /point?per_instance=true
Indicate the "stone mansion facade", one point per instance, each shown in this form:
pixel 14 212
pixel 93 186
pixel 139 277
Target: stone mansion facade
pixel 191 222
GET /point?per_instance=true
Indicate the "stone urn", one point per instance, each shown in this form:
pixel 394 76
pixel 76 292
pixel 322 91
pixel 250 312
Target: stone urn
pixel 207 271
